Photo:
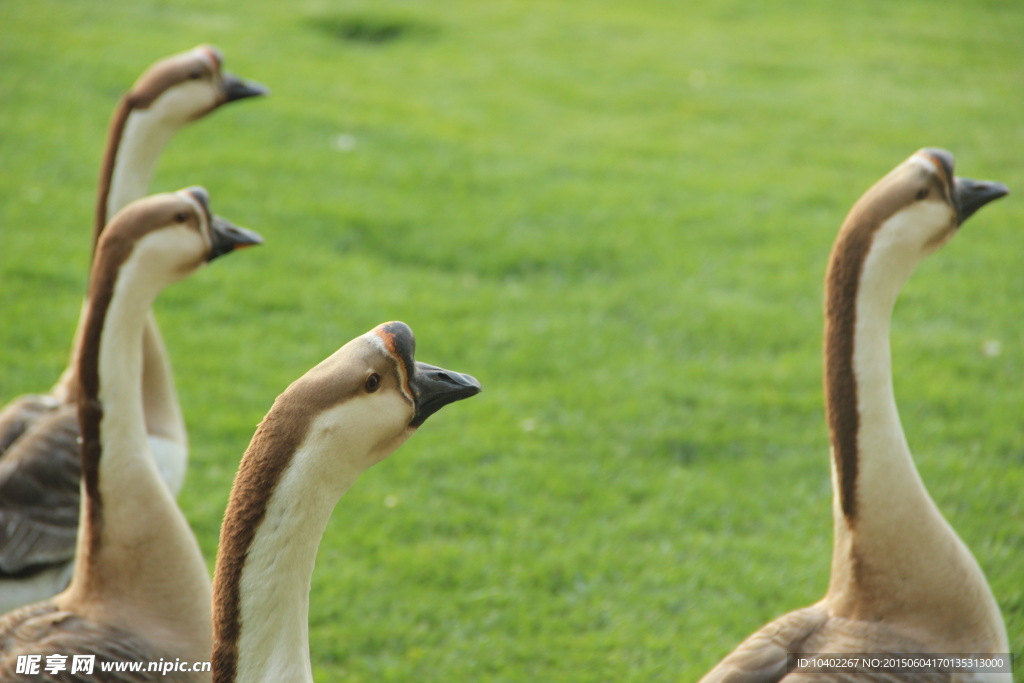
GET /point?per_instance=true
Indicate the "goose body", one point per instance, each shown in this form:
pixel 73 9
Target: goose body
pixel 139 591
pixel 343 416
pixel 902 581
pixel 39 463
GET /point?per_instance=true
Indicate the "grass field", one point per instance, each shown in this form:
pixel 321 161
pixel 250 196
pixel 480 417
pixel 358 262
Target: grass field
pixel 617 216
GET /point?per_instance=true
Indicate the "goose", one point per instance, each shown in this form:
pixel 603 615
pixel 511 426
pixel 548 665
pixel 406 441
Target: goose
pixel 140 589
pixel 902 581
pixel 39 472
pixel 345 415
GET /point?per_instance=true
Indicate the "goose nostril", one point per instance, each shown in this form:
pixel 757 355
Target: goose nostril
pixel 443 377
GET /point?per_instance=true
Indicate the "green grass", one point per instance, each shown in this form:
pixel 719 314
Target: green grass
pixel 616 215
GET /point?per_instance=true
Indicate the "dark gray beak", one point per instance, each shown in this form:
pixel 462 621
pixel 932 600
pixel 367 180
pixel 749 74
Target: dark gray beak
pixel 970 195
pixel 228 238
pixel 435 388
pixel 237 89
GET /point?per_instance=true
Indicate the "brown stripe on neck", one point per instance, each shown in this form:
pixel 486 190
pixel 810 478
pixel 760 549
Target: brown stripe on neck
pixel 115 134
pixel 150 86
pixel 105 271
pixel 842 285
pixel 272 450
pixel 113 250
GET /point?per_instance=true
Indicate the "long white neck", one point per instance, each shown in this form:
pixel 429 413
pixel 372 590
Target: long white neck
pixel 894 552
pixel 292 476
pixel 133 149
pixel 146 133
pixel 137 560
pixel 274 642
pixel 888 488
pixel 144 137
pixel 136 148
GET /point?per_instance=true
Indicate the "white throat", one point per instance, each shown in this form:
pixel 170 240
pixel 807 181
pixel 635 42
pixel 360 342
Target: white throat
pixel 120 367
pixel 145 134
pixel 274 642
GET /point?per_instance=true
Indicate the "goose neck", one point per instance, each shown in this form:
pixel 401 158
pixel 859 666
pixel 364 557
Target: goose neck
pixel 110 368
pixel 279 508
pixel 864 279
pixel 109 372
pixel 134 142
pixel 135 149
pixel 882 510
pixel 125 504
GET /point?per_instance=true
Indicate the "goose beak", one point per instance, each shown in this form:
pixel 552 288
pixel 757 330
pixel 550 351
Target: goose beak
pixel 435 388
pixel 970 195
pixel 228 238
pixel 237 89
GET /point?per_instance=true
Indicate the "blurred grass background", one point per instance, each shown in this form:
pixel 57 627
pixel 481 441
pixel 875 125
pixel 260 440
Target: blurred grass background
pixel 617 216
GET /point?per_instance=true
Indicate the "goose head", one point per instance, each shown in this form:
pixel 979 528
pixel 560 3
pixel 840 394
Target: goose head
pixel 170 235
pixel 187 86
pixel 921 204
pixel 368 397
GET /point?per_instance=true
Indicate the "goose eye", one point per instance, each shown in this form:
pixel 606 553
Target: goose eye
pixel 373 383
pixel 195 75
pixel 922 193
pixel 180 217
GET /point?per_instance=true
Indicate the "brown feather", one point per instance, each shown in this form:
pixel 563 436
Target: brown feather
pixel 764 656
pixel 20 414
pixel 39 495
pixel 44 629
pixel 114 139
